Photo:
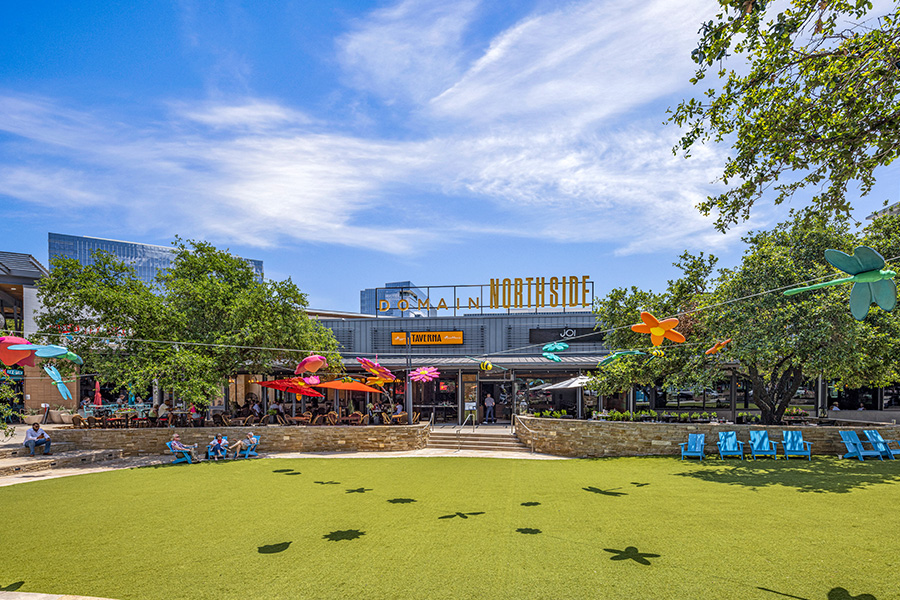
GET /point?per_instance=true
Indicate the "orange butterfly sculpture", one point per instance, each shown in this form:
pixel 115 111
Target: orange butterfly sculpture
pixel 717 346
pixel 658 330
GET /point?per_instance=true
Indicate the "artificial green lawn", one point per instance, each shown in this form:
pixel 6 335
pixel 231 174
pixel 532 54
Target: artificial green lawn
pixel 820 530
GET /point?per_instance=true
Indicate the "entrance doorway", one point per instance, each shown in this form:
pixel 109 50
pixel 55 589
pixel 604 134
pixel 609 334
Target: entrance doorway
pixel 501 392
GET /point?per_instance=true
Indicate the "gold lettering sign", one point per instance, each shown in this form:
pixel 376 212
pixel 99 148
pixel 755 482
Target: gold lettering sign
pixel 569 291
pixel 427 338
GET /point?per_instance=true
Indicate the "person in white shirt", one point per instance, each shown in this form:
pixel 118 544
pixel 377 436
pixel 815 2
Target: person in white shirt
pixel 37 437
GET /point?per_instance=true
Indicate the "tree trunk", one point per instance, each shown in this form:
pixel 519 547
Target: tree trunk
pixel 772 397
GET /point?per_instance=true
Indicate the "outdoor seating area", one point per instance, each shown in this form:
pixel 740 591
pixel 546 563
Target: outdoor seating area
pixel 792 443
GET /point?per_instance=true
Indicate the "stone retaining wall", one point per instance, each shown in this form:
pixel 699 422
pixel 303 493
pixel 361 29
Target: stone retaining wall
pixel 564 437
pixel 134 442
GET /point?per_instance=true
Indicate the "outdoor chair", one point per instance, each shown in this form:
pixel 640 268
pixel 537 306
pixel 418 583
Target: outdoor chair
pixel 399 419
pixel 364 420
pixel 729 445
pixel 855 447
pixel 882 444
pixel 220 420
pixel 249 420
pixel 93 422
pixel 185 456
pixel 416 417
pixel 249 451
pixel 303 419
pixel 331 418
pixel 694 446
pixel 78 422
pixel 355 418
pixel 761 445
pixel 385 419
pixel 795 446
pixel 209 449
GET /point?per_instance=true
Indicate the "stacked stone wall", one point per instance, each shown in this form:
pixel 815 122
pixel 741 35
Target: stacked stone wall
pixel 134 442
pixel 565 437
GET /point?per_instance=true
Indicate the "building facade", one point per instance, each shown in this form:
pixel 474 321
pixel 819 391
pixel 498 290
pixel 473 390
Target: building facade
pixel 497 354
pixel 146 259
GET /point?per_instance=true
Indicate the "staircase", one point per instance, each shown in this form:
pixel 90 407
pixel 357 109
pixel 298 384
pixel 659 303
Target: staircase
pixel 14 460
pixel 483 441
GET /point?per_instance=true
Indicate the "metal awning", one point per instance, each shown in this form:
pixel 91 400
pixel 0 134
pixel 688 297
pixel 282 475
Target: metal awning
pixel 568 384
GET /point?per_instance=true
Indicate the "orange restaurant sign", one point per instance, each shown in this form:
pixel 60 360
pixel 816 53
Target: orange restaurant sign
pixel 427 338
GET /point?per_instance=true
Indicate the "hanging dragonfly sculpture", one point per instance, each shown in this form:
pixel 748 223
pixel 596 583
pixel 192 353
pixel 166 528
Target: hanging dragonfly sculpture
pixel 58 382
pixel 871 282
pixel 616 356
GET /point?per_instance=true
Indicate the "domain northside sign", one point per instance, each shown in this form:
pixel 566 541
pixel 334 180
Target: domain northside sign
pixel 507 293
pixel 427 338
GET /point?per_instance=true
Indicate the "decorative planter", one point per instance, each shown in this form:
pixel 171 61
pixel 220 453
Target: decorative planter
pixel 66 418
pixel 56 417
pixel 32 419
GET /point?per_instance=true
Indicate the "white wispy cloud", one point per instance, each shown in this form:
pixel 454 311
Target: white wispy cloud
pixel 409 51
pixel 544 126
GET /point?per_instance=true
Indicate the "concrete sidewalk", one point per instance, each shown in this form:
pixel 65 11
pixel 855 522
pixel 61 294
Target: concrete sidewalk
pixel 27 596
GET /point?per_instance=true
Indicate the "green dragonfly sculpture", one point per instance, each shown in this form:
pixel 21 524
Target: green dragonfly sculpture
pixel 616 356
pixel 871 282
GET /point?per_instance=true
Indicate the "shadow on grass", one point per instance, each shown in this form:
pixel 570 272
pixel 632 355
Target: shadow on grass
pixel 840 593
pixel 610 492
pixel 822 475
pixel 636 484
pixel 528 531
pixel 401 500
pixel 327 482
pixel 282 470
pixel 837 593
pixel 294 473
pixel 12 587
pixel 274 548
pixel 531 504
pixel 359 490
pixel 346 534
pixel 630 553
pixel 461 515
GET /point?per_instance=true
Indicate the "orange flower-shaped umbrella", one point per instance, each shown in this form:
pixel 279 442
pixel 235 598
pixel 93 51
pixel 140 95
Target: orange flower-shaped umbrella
pixel 717 346
pixel 658 330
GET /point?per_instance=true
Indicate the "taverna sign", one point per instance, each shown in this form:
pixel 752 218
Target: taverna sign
pixel 560 293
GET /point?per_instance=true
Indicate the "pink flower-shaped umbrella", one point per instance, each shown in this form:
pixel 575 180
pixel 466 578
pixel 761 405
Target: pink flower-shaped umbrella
pixel 379 372
pixel 311 364
pixel 424 374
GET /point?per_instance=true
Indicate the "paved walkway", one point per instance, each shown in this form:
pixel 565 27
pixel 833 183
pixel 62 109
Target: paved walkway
pixel 27 596
pixel 143 461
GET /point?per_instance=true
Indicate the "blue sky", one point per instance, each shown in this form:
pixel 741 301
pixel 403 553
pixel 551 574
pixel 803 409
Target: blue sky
pixel 347 144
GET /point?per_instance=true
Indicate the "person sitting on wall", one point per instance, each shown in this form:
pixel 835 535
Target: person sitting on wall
pixel 861 406
pixel 177 446
pixel 835 406
pixel 37 437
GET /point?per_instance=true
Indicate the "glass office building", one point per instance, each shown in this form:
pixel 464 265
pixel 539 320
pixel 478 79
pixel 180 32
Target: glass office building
pixel 147 259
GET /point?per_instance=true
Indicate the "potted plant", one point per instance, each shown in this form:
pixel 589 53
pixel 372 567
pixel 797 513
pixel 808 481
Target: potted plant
pixel 31 416
pixel 695 416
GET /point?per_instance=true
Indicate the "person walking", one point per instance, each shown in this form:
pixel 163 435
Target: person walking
pixel 489 409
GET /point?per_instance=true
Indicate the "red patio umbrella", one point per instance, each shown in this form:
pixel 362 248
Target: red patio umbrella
pixel 296 386
pixel 353 386
pixel 98 399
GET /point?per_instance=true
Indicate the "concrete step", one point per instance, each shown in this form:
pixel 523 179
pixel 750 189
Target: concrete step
pixel 13 451
pixel 74 458
pixel 496 442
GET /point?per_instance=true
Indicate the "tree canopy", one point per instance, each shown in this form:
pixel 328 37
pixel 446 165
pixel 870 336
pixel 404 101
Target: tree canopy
pixel 812 101
pixel 777 341
pixel 206 318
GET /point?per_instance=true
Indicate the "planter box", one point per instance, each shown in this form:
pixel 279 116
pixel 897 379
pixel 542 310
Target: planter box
pixel 32 419
pixel 56 417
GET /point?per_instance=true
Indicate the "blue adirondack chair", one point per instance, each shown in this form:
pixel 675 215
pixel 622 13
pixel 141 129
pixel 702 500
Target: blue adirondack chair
pixel 855 447
pixel 694 446
pixel 881 444
pixel 185 456
pixel 209 449
pixel 761 445
pixel 795 446
pixel 250 450
pixel 729 445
